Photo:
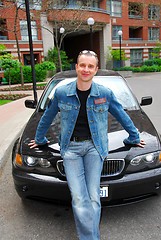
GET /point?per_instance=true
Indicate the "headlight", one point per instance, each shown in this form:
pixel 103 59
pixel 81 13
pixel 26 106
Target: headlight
pixel 44 162
pixel 144 162
pixel 30 161
pixel 148 158
pixel 33 161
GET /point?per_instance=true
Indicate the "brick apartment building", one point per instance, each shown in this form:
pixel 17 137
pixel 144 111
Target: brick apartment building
pixel 139 21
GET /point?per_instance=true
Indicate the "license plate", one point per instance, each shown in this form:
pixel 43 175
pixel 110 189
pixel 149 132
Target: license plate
pixel 103 192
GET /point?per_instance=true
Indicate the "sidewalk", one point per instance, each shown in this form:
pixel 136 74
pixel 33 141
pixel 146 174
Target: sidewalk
pixel 13 117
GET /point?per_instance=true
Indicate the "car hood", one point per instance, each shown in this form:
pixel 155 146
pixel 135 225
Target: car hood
pixel 116 136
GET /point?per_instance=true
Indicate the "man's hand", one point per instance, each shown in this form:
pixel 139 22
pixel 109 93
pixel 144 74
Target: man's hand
pixel 141 144
pixel 32 144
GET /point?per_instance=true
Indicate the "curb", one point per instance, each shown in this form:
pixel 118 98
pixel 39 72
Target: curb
pixel 8 150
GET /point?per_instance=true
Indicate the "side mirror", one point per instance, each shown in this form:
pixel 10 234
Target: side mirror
pixel 146 101
pixel 30 104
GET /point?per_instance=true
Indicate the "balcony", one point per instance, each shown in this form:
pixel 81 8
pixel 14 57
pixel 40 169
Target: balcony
pixel 3 38
pixel 80 5
pixel 135 33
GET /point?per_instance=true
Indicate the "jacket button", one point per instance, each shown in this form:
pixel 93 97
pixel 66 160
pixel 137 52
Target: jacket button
pixel 72 120
pixel 94 133
pixel 89 108
pixel 91 121
pixel 98 146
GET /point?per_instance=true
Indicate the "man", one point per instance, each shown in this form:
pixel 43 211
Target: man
pixel 84 107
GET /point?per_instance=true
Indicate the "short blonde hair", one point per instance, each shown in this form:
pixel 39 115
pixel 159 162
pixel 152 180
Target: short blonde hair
pixel 88 53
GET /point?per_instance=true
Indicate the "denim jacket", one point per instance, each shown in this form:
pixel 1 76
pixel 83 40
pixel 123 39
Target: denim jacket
pixel 99 102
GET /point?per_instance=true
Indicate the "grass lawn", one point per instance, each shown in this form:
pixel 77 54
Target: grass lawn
pixel 2 102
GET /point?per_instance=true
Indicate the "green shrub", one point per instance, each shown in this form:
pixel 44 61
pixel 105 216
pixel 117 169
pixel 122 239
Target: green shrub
pixel 151 62
pixel 40 73
pixel 124 69
pixel 159 68
pixel 137 69
pixel 47 65
pixel 145 68
pixel 15 75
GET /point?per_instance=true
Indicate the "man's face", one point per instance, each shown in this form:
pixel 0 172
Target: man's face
pixel 86 68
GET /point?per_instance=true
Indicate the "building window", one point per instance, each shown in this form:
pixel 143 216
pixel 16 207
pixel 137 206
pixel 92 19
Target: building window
pixel 94 4
pixel 87 3
pixel 136 57
pixel 153 33
pixel 78 3
pixel 135 10
pixel 3 31
pixel 114 8
pixel 154 12
pixel 33 4
pixel 24 30
pixel 115 29
pixel 27 59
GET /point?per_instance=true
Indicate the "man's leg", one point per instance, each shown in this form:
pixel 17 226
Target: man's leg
pixel 82 207
pixel 93 167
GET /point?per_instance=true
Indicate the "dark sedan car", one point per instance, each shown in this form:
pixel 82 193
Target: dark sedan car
pixel 129 173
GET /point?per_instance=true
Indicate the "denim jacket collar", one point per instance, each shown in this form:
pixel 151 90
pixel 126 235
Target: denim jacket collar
pixel 73 87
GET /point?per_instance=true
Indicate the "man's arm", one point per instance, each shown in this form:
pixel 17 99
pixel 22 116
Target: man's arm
pixel 44 124
pixel 116 109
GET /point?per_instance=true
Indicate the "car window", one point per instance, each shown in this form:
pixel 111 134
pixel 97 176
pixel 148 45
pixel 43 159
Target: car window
pixel 120 89
pixel 115 83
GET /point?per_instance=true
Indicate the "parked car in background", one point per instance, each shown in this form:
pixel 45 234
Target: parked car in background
pixel 129 173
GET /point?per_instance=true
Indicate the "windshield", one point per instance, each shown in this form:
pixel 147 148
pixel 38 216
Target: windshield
pixel 115 83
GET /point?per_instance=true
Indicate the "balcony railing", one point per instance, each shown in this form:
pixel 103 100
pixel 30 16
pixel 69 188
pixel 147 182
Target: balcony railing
pixel 135 16
pixel 76 5
pixel 3 37
pixel 135 39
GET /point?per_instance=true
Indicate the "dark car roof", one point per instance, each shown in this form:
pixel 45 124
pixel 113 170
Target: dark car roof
pixel 72 73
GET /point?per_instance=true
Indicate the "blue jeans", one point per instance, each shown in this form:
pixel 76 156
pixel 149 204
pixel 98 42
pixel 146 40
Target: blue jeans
pixel 83 166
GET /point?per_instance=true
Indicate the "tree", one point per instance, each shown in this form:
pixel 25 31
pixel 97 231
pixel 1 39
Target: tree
pixel 114 54
pixel 13 28
pixel 2 50
pixel 53 57
pixel 7 62
pixel 156 50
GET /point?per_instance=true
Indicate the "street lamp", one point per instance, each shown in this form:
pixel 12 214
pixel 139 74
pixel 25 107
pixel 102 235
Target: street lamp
pixel 120 36
pixel 61 30
pixel 31 51
pixel 90 22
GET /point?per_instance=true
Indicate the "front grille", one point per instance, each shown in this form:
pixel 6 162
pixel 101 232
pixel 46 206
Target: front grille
pixel 111 167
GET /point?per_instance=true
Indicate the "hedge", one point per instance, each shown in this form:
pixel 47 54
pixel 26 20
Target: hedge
pixel 40 73
pixel 152 62
pixel 144 68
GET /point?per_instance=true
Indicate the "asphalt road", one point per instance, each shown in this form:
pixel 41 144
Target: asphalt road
pixel 149 85
pixel 33 220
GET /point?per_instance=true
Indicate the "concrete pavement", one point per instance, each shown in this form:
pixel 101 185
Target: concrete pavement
pixel 13 117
